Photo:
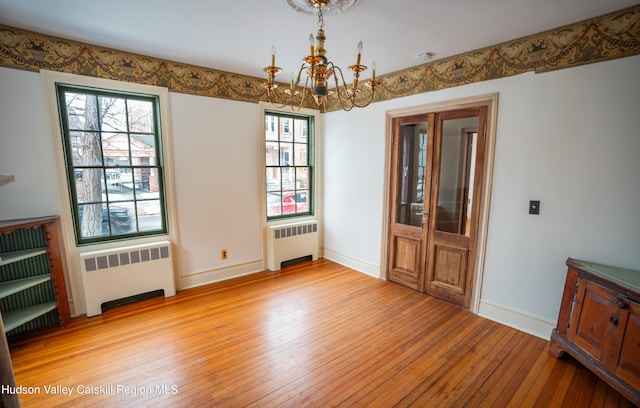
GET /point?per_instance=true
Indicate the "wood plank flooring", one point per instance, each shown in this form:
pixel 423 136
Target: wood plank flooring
pixel 312 335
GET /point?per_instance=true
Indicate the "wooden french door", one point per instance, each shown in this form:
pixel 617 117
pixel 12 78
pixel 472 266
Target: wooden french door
pixel 410 188
pixel 437 163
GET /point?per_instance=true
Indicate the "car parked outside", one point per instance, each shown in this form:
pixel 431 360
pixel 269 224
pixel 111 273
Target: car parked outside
pixel 118 217
pixel 287 203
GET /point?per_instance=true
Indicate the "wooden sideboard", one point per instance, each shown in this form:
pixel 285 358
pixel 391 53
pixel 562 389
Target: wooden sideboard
pixel 599 324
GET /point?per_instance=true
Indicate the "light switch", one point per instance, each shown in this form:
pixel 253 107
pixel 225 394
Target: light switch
pixel 534 207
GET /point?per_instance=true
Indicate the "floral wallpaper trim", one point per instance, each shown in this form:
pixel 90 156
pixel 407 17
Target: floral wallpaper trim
pixel 611 36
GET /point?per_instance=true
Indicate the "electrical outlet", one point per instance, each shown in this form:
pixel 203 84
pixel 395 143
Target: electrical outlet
pixel 223 254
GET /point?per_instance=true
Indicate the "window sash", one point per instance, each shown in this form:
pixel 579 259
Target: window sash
pixel 288 165
pixel 128 163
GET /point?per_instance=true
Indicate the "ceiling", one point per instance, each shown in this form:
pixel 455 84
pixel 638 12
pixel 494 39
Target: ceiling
pixel 237 35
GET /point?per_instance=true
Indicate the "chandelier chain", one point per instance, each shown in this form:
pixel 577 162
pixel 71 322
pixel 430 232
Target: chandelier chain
pixel 320 18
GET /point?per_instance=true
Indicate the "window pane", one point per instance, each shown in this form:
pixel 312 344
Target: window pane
pixel 302 178
pixel 300 135
pixel 286 131
pixel 274 206
pixel 149 215
pixel 143 150
pixel 113 113
pixel 146 183
pixel 115 148
pixel 288 202
pixel 82 112
pixel 91 221
pixel 300 156
pixel 119 220
pixel 89 182
pixel 85 148
pixel 286 154
pixel 272 151
pixel 288 178
pixel 140 116
pixel 270 127
pixel 274 179
pixel 302 202
pixel 115 189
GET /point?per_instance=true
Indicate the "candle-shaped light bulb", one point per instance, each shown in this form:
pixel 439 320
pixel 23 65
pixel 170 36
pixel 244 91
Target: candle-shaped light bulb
pixel 311 43
pixel 273 56
pixel 359 52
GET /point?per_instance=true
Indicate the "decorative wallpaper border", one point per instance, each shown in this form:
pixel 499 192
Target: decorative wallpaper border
pixel 611 36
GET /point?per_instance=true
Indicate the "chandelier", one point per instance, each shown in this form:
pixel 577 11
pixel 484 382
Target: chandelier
pixel 317 72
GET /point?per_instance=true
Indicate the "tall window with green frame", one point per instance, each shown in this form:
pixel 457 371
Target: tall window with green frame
pixel 113 156
pixel 289 164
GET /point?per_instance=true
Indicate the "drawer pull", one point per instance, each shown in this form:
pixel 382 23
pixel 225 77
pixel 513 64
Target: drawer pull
pixel 621 303
pixel 614 319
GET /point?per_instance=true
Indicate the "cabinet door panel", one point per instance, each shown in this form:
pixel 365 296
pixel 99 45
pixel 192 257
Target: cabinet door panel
pixel 628 367
pixel 596 324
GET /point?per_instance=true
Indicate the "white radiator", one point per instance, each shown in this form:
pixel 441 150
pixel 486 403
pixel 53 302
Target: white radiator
pixel 118 273
pixel 291 241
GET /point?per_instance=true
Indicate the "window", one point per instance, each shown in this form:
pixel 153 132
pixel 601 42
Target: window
pixel 113 158
pixel 288 147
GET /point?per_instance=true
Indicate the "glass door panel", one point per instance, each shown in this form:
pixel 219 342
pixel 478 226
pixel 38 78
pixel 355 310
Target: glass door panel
pixel 457 169
pixel 412 157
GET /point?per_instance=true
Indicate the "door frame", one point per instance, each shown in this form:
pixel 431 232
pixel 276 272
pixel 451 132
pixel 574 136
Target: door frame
pixel 491 102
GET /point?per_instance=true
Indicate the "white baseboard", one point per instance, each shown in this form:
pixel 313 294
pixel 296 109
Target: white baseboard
pixel 528 323
pixel 220 274
pixel 357 264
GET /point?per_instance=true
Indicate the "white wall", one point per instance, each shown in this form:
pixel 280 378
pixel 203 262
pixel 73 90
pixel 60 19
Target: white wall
pixel 568 138
pixel 218 188
pixel 26 148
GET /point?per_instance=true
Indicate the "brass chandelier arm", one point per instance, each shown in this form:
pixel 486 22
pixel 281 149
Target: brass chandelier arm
pixel 289 96
pixel 348 96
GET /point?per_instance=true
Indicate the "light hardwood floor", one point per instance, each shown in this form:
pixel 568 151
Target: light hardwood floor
pixel 312 335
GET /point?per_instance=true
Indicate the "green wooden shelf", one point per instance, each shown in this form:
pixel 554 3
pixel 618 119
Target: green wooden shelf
pixel 11 257
pixel 15 286
pixel 19 317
